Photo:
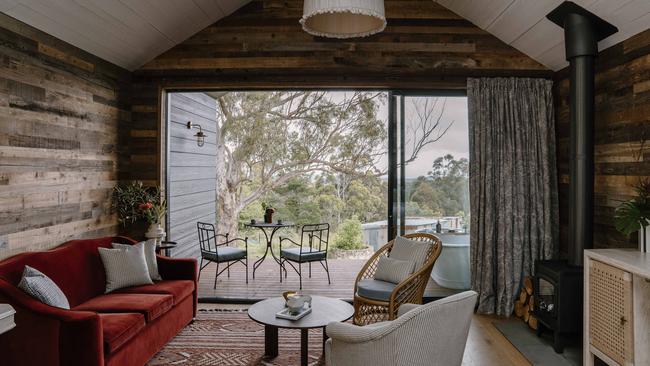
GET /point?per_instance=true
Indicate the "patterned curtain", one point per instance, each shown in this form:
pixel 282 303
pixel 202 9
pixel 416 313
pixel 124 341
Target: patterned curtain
pixel 513 185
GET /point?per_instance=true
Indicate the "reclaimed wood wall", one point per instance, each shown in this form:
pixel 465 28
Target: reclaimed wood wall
pixel 622 126
pixel 192 169
pixel 60 112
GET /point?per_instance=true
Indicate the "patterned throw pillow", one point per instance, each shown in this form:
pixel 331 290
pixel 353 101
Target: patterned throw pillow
pixel 125 268
pixel 410 250
pixel 393 270
pixel 42 288
pixel 149 254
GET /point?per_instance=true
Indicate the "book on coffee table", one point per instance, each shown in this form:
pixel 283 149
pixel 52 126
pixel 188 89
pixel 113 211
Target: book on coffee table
pixel 287 314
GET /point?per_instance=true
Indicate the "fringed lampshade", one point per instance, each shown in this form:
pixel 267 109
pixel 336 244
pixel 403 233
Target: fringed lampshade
pixel 343 18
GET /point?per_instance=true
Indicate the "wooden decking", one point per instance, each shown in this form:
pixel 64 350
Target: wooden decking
pixel 343 273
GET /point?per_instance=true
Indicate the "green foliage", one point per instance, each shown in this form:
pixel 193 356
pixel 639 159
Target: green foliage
pixel 133 201
pixel 632 215
pixel 444 191
pixel 349 235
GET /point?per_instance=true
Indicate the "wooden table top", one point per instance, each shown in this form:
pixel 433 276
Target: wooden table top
pixel 324 311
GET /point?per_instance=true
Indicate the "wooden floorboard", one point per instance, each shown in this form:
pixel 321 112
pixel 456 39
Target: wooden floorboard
pixel 486 346
pixel 343 273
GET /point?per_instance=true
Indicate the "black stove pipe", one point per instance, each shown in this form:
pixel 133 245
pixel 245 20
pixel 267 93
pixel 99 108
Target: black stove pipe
pixel 582 31
pixel 581 50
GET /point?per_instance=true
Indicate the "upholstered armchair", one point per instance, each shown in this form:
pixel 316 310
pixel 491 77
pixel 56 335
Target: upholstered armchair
pixel 375 300
pixel 426 335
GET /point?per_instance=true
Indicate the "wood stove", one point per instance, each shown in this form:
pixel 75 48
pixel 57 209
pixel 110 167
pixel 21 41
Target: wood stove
pixel 558 299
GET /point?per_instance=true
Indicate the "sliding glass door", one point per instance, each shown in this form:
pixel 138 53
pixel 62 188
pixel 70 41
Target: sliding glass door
pixel 428 163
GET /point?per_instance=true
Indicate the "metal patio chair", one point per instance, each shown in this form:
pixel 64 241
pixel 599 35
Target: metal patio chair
pixel 314 242
pixel 220 252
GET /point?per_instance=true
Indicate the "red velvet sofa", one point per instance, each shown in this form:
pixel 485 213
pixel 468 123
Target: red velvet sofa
pixel 126 327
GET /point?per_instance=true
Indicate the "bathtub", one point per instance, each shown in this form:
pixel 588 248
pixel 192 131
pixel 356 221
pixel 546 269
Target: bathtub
pixel 452 267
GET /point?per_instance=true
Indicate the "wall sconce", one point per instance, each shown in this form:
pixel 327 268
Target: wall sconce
pixel 200 136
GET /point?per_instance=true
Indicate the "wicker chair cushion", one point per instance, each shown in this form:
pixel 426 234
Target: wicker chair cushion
pixel 375 289
pixel 393 270
pixel 308 254
pixel 226 254
pixel 410 250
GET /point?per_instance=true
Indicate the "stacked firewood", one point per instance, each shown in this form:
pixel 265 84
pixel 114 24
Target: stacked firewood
pixel 525 304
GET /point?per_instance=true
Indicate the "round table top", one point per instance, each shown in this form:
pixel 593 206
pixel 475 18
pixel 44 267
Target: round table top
pixel 324 311
pixel 266 224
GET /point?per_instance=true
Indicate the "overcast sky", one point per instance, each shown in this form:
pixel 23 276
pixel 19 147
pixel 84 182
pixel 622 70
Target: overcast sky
pixel 455 141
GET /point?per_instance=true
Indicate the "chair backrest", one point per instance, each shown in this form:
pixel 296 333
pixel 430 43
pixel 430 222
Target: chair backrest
pixel 435 331
pixel 207 237
pixel 315 236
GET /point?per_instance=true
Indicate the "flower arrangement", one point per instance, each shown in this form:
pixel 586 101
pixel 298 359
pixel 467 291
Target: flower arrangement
pixel 134 201
pixel 634 215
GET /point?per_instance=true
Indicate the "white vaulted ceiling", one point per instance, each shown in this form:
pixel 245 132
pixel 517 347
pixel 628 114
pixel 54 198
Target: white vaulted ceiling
pixel 523 23
pixel 127 33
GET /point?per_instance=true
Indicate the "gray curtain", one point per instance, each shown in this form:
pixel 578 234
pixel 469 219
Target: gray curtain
pixel 513 185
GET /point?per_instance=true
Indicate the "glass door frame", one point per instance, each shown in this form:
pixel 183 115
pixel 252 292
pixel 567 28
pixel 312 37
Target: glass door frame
pixel 396 215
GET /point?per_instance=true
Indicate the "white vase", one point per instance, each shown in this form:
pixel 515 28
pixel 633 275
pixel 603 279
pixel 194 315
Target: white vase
pixel 156 231
pixel 647 239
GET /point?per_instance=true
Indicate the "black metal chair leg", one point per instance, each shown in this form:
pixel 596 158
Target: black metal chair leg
pixel 280 269
pixel 327 270
pixel 309 269
pixel 216 274
pixel 200 269
pixel 228 270
pixel 300 273
pixel 246 270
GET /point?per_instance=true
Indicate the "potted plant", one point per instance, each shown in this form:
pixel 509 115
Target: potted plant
pixel 134 203
pixel 634 215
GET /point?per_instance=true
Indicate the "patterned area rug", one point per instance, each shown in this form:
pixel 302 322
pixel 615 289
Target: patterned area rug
pixel 229 337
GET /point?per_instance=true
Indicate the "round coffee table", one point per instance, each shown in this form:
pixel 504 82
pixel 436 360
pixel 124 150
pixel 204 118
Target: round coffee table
pixel 324 311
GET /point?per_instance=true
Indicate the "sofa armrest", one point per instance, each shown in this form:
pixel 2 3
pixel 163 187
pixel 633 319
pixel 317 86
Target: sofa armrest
pixel 177 268
pixel 405 308
pixel 68 337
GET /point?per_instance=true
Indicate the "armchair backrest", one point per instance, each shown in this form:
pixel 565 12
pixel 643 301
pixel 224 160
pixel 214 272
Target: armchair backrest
pixel 433 334
pixel 315 236
pixel 208 238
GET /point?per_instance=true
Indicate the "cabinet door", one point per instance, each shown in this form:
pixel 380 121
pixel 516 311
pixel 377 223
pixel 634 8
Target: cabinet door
pixel 610 312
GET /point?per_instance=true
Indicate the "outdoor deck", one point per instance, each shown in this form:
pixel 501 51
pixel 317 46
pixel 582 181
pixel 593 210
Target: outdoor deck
pixel 267 284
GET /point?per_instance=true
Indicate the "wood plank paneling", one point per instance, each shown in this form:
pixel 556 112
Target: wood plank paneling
pixel 622 127
pixel 192 169
pixel 60 112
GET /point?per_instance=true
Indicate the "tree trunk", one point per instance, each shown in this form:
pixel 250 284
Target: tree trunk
pixel 227 195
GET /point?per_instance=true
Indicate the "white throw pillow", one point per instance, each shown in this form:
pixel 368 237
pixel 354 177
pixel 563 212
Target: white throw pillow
pixel 125 268
pixel 393 270
pixel 149 255
pixel 37 285
pixel 410 250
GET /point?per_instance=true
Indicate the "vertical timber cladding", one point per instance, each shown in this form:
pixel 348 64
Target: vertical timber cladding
pixel 622 128
pixel 60 115
pixel 192 169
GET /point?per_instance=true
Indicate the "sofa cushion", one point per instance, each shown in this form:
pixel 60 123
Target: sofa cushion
pixel 149 256
pixel 119 328
pixel 406 249
pixel 308 254
pixel 179 289
pixel 36 284
pixel 375 289
pixel 125 267
pixel 150 305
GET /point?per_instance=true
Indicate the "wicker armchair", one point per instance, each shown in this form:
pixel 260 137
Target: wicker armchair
pixel 411 290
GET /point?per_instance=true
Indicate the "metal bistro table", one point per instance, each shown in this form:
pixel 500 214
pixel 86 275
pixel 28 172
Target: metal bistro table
pixel 269 239
pixel 324 311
